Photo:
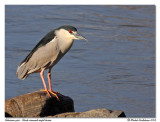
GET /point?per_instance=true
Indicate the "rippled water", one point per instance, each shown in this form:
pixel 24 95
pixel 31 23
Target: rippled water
pixel 114 70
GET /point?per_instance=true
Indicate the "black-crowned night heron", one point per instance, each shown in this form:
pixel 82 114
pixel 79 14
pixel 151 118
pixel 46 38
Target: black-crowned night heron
pixel 47 53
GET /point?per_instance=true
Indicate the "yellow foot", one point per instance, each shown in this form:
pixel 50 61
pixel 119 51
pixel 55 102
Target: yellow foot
pixel 51 92
pixel 46 91
pixel 55 94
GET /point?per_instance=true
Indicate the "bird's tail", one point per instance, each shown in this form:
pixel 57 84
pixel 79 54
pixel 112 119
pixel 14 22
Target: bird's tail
pixel 22 71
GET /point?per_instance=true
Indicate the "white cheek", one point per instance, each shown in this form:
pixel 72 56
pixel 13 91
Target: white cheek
pixel 73 37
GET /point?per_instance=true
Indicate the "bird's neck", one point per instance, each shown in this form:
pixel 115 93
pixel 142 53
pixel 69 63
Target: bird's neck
pixel 65 45
pixel 65 41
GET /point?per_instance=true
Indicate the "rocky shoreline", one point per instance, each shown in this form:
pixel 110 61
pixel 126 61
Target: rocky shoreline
pixel 39 104
pixel 94 113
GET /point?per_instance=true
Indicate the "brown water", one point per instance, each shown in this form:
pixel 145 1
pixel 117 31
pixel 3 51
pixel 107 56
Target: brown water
pixel 114 70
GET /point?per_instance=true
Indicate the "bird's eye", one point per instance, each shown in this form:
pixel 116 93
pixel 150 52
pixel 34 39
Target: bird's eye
pixel 70 31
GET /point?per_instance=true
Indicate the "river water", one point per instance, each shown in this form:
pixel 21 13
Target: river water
pixel 115 69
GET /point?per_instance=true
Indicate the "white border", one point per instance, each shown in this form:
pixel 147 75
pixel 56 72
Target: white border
pixel 73 2
pixel 82 2
pixel 2 64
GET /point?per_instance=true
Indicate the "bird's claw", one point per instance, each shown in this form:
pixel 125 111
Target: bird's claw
pixel 54 93
pixel 51 92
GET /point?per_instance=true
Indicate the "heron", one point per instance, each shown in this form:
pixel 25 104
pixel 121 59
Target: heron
pixel 47 53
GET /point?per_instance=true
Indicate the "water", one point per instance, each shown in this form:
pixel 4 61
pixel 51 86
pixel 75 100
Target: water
pixel 114 70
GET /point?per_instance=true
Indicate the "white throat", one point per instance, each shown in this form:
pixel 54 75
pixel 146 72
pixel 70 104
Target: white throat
pixel 65 41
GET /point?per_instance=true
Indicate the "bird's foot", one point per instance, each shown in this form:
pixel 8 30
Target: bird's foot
pixel 55 94
pixel 54 91
pixel 46 91
pixel 51 92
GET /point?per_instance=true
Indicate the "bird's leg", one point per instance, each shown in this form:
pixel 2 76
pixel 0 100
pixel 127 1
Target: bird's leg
pixel 49 81
pixel 45 87
pixel 50 85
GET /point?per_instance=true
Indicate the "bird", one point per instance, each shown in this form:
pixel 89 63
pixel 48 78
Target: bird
pixel 47 53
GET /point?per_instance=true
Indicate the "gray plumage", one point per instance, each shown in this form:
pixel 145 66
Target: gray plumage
pixel 48 51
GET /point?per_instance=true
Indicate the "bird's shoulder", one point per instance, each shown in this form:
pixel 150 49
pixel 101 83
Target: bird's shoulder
pixel 45 40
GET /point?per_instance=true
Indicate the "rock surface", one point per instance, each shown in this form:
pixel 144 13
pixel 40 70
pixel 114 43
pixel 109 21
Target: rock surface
pixel 37 104
pixel 95 113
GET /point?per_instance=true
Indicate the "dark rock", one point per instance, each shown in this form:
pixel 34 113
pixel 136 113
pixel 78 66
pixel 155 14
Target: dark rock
pixel 37 104
pixel 95 113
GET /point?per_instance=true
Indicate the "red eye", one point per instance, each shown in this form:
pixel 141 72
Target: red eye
pixel 70 31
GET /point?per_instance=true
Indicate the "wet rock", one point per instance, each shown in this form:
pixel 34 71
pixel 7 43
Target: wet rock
pixel 37 104
pixel 95 113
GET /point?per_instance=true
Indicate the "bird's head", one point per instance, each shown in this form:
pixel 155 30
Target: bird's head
pixel 70 32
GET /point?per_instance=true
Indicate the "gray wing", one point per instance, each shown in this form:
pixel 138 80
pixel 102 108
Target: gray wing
pixel 44 57
pixel 42 42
